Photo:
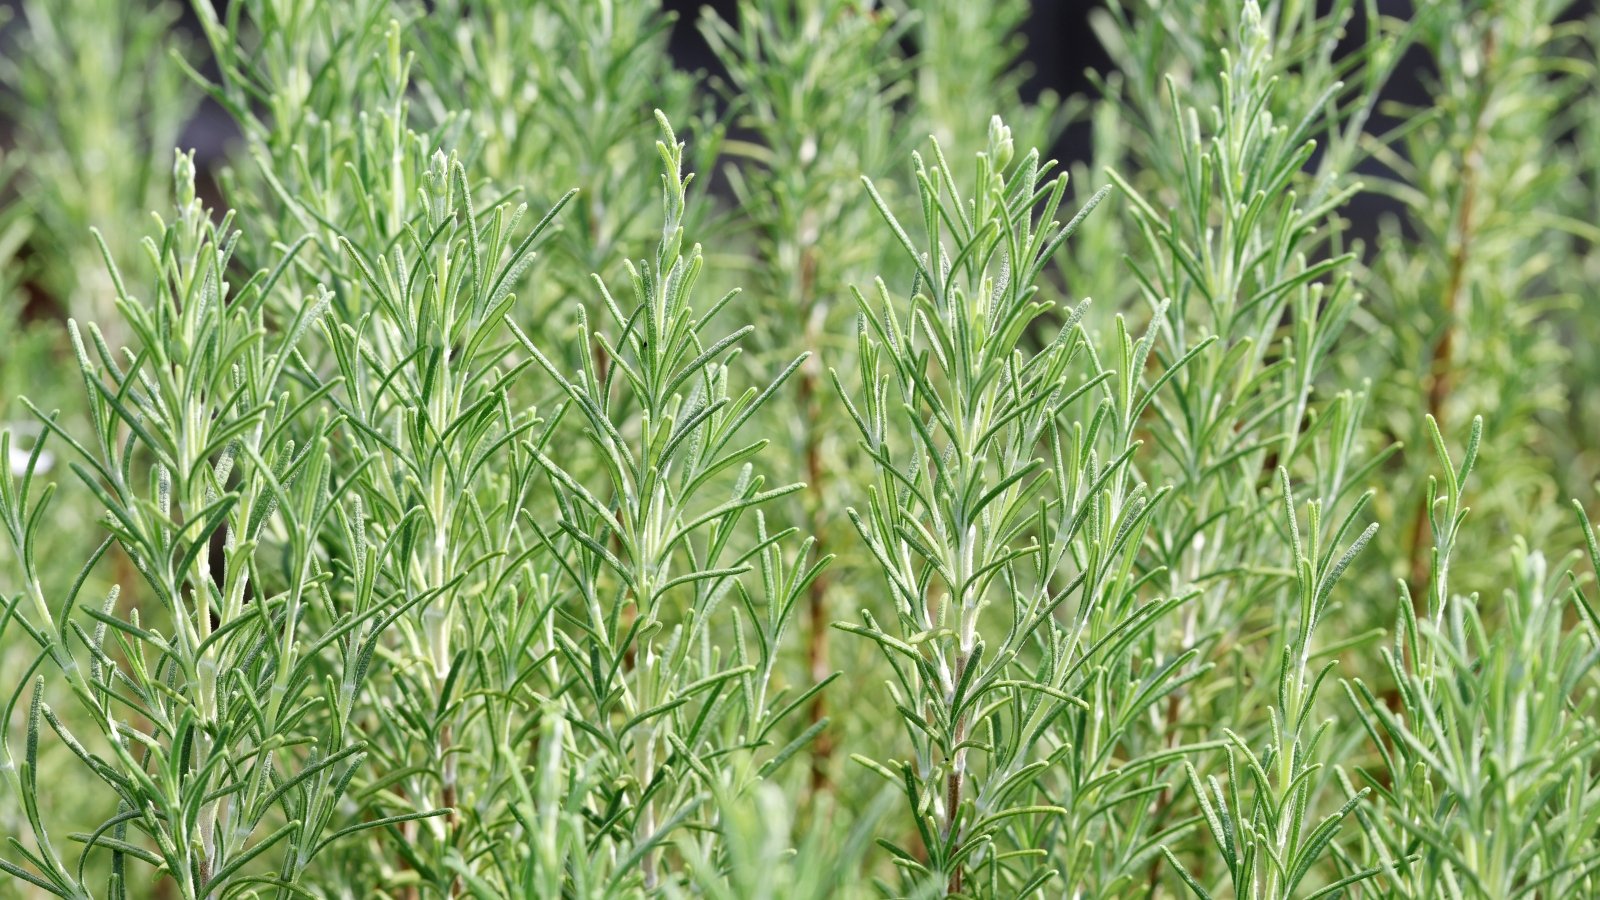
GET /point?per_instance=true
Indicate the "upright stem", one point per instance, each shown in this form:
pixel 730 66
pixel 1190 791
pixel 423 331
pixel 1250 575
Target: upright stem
pixel 1441 366
pixel 817 656
pixel 816 594
pixel 955 782
pixel 648 862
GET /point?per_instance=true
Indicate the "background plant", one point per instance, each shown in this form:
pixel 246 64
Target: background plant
pixel 1486 183
pixel 99 107
pixel 810 225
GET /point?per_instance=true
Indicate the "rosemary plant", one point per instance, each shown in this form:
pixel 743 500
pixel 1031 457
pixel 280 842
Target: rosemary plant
pixel 556 95
pixel 1010 571
pixel 99 112
pixel 221 760
pixel 1485 184
pixel 811 225
pixel 334 154
pixel 438 524
pixel 1493 724
pixel 1247 255
pixel 664 653
pixel 968 56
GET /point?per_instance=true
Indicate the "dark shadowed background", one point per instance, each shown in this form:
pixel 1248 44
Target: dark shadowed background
pixel 1060 50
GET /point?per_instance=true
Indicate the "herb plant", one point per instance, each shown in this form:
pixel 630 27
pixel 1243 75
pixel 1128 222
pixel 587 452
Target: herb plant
pixel 563 474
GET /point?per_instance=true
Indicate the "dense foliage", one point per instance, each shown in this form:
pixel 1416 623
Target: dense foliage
pixel 564 475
